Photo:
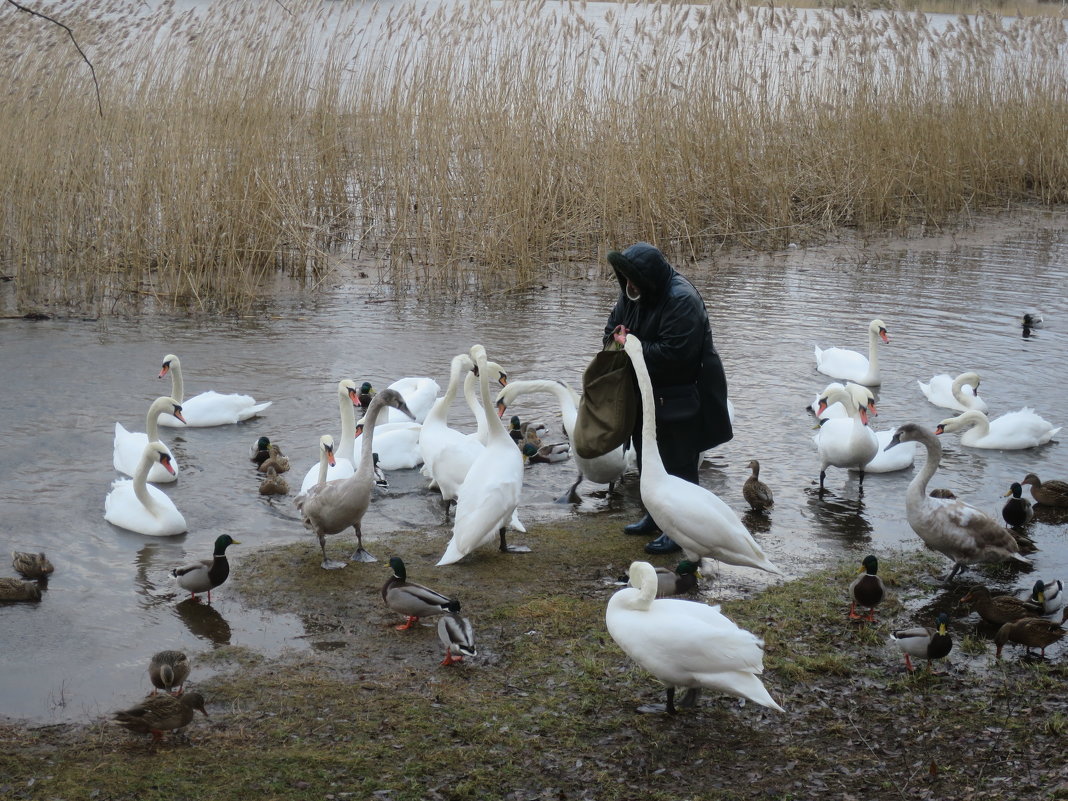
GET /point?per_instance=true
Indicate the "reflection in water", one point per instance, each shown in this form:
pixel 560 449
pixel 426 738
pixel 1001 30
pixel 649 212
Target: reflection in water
pixel 838 517
pixel 204 621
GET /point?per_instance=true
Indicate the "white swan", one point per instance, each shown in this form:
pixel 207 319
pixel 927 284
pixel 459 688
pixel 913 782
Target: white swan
pixel 1010 431
pixel 397 444
pixel 490 493
pixel 447 453
pixel 470 382
pixel 960 394
pixel 419 394
pixel 884 461
pixel 130 445
pixel 135 506
pixel 688 513
pixel 852 366
pixel 606 469
pixel 208 408
pixel 344 464
pixel 846 442
pixel 332 506
pixel 947 525
pixel 685 643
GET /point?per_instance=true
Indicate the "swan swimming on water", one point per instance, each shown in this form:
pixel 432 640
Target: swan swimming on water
pixel 852 366
pixel 208 408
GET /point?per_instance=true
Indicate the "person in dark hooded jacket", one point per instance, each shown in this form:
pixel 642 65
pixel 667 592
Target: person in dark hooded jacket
pixel 666 312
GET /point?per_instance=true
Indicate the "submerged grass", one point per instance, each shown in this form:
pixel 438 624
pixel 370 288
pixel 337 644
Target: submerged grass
pixel 547 708
pixel 487 142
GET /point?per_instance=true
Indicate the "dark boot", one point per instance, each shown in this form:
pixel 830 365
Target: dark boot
pixel 645 527
pixel 662 544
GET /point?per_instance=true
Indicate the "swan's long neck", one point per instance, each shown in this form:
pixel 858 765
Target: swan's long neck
pixel 643 578
pixel 440 410
pixel 367 459
pixel 140 481
pixel 957 390
pixel 979 423
pixel 650 451
pixel 473 404
pixel 324 465
pixel 177 386
pixel 158 407
pixel 564 395
pixel 348 425
pixel 873 350
pixel 493 423
pixel 918 486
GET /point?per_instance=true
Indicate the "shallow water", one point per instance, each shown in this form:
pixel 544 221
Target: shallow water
pixel 951 304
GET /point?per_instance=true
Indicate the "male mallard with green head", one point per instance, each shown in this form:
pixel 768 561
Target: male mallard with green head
pixel 205 575
pixel 923 642
pixel 456 634
pixel 260 451
pixel 1050 594
pixel 1017 510
pixel 159 713
pixel 680 581
pixel 867 590
pixel 411 600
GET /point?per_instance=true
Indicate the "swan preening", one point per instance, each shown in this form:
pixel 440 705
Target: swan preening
pixel 606 469
pixel 691 515
pixel 960 394
pixel 947 525
pixel 332 506
pixel 852 366
pixel 685 643
pixel 208 408
pixel 130 445
pixel 488 497
pixel 134 505
pixel 1011 431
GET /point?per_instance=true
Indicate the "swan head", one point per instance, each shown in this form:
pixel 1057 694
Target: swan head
pixel 864 399
pixel 971 379
pixel 326 446
pixel 961 422
pixel 911 432
pixel 157 452
pixel 348 387
pixel 390 397
pixel 170 362
pixel 878 329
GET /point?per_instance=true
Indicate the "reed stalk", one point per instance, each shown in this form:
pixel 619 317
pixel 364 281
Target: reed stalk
pixel 480 143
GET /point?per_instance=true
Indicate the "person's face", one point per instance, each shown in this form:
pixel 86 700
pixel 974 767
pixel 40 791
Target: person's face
pixel 632 291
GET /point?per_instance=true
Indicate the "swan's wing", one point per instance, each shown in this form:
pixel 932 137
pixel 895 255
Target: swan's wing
pixel 216 409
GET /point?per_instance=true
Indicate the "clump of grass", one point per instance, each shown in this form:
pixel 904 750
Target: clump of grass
pixel 483 142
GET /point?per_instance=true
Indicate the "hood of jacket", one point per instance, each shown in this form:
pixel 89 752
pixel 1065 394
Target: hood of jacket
pixel 645 266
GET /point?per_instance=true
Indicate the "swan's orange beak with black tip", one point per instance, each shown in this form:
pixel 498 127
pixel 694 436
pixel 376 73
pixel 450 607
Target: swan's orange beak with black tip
pixel 178 413
pixel 864 414
pixel 501 406
pixel 940 429
pixel 822 407
pixel 165 460
pixel 884 335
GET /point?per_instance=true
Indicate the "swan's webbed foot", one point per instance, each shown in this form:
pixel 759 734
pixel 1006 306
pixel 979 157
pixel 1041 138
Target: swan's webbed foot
pixel 648 709
pixel 506 548
pixel 571 496
pixel 361 555
pixel 331 564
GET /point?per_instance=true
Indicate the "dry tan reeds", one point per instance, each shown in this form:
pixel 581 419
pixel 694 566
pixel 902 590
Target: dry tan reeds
pixel 494 141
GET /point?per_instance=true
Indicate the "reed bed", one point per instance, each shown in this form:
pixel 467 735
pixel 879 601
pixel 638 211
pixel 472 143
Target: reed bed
pixel 473 143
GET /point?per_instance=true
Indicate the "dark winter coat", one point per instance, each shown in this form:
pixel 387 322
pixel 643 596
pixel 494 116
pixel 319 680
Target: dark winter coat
pixel 671 321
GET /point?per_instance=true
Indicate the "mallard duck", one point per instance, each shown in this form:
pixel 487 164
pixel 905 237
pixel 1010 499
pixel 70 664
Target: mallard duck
pixel 949 526
pixel 756 493
pixel 1047 493
pixel 206 574
pixel 260 451
pixel 1000 609
pixel 546 454
pixel 1030 632
pixel 159 713
pixel 411 600
pixel 209 408
pixel 13 589
pixel 365 394
pixel 31 565
pixel 848 364
pixel 942 492
pixel 330 507
pixel 1017 510
pixel 276 459
pixel 1050 594
pixel 923 642
pixel 515 430
pixel 691 515
pixel 273 484
pixel 867 590
pixel 684 643
pixel 456 635
pixel 680 581
pixel 168 670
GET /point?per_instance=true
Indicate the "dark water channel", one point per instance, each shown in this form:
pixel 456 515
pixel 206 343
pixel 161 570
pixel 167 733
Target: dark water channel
pixel 951 304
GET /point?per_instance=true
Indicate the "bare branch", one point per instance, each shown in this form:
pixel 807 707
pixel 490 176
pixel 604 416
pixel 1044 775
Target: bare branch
pixel 70 33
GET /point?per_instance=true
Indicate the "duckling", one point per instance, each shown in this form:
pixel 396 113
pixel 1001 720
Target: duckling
pixel 456 635
pixel 159 713
pixel 1030 632
pixel 411 600
pixel 1047 493
pixel 260 451
pixel 680 581
pixel 167 670
pixel 756 493
pixel 999 609
pixel 31 565
pixel 277 460
pixel 924 642
pixel 273 484
pixel 1050 594
pixel 546 454
pixel 867 590
pixel 13 589
pixel 206 574
pixel 1017 510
